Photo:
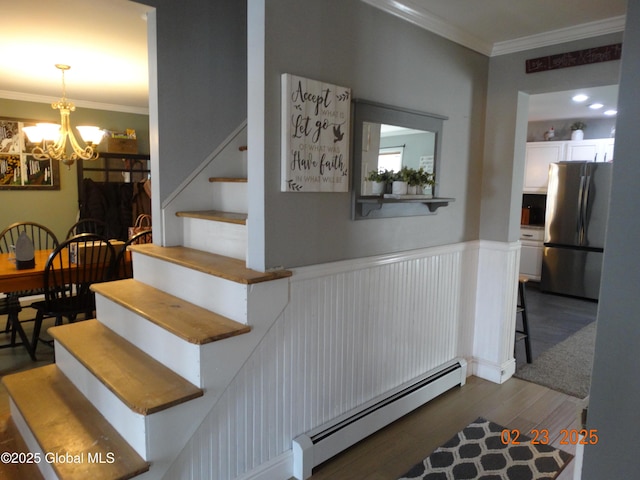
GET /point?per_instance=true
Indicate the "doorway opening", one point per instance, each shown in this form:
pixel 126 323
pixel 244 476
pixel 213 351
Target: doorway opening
pixel 561 326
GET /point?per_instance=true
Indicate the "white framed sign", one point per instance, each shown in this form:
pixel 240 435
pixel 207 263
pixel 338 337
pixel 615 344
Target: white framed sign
pixel 316 124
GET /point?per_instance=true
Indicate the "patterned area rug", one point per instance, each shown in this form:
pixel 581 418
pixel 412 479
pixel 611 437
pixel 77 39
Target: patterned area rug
pixel 478 453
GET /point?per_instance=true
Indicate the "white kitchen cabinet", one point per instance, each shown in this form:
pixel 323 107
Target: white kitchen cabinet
pixel 595 150
pixel 539 155
pixel 606 150
pixel 582 150
pixel 531 250
pixel 536 164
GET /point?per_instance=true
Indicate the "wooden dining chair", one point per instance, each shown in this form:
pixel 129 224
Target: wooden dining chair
pixel 72 268
pixel 88 225
pixel 123 267
pixel 43 239
pixel 10 306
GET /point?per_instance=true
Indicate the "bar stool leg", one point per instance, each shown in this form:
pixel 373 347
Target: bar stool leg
pixel 522 309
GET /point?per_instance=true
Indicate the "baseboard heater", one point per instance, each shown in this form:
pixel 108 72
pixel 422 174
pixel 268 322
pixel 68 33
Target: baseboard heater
pixel 319 445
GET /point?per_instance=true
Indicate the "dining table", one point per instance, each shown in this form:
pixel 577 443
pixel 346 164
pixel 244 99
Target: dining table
pixel 13 279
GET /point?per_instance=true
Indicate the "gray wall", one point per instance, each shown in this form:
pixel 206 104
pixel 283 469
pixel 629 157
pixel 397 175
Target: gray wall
pixel 506 125
pixel 615 388
pixel 202 82
pixel 382 59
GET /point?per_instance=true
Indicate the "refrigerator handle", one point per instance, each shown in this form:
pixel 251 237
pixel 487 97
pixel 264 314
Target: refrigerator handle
pixel 581 193
pixel 585 203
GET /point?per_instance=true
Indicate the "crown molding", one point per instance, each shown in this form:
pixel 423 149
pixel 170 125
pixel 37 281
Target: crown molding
pixel 28 97
pixel 424 19
pixel 420 17
pixel 563 35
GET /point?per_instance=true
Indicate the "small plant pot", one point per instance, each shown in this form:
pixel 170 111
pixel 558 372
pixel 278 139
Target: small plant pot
pixel 412 189
pixel 577 135
pixel 399 188
pixel 377 188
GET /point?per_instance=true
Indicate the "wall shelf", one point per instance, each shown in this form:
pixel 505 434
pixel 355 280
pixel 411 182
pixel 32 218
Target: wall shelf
pixel 403 205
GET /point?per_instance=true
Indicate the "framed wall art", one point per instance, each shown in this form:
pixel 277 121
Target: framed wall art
pixel 315 135
pixel 19 170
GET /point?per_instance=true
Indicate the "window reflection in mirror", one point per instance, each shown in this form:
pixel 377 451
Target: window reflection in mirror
pixel 391 147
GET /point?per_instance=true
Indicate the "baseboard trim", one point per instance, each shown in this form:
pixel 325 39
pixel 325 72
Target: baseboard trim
pixel 493 372
pixel 278 468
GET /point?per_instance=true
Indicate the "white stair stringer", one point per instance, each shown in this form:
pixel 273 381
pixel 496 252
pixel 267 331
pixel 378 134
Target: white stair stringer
pixel 223 238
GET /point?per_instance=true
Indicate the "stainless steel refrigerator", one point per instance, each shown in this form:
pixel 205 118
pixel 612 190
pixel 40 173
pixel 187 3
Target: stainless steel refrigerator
pixel 575 225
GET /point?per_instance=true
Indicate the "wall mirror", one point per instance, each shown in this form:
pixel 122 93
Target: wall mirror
pixel 390 138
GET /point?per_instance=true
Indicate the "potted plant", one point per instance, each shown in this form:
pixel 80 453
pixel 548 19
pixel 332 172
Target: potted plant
pixel 414 181
pixel 379 179
pixel 577 130
pixel 401 181
pixel 428 180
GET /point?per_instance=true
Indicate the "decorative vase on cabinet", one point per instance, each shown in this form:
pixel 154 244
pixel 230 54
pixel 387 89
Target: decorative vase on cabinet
pixel 577 135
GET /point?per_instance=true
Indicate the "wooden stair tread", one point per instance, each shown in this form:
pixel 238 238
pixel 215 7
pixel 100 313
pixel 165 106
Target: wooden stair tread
pixel 64 422
pixel 216 216
pixel 188 321
pixel 227 180
pixel 142 383
pixel 231 269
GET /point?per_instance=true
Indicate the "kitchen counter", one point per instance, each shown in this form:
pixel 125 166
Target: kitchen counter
pixel 532 248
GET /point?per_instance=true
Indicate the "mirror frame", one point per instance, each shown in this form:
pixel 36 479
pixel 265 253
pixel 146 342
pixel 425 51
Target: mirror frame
pixel 367 111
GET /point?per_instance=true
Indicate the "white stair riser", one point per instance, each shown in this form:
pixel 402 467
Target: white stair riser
pixel 230 196
pixel 228 239
pixel 131 425
pixel 173 352
pixel 222 296
pixel 32 444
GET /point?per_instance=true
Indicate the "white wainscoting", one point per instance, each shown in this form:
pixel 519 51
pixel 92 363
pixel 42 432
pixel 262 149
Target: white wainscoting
pixel 352 331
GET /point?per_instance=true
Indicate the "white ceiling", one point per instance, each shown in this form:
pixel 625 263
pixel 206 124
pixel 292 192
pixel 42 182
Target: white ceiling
pixel 104 41
pixel 559 105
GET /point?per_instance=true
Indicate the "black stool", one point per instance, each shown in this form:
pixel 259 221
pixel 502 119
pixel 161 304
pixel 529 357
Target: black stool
pixel 522 309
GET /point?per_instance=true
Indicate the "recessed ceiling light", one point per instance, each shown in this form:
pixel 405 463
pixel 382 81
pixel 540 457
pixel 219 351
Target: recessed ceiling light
pixel 580 98
pixel 611 113
pixel 596 106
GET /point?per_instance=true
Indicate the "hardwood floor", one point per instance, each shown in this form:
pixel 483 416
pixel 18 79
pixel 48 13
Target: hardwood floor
pixel 516 404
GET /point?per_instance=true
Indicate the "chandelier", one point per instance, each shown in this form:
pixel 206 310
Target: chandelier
pixel 51 139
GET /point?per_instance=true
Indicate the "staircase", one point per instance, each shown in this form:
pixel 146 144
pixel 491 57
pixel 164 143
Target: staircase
pixel 129 388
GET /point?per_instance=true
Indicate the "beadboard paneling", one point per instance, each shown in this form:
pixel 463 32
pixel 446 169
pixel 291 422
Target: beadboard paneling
pixel 352 331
